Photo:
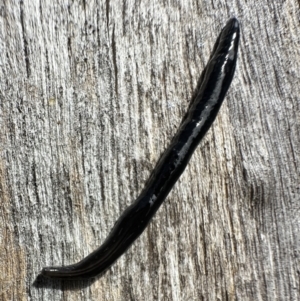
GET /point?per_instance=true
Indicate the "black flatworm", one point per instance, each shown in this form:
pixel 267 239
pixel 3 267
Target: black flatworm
pixel 215 82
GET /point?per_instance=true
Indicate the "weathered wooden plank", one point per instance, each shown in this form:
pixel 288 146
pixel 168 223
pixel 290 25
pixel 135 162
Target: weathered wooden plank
pixel 91 93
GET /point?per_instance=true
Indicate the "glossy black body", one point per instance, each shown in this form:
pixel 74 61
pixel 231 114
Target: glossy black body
pixel 216 79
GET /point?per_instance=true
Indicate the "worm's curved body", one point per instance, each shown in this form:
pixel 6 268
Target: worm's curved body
pixel 216 79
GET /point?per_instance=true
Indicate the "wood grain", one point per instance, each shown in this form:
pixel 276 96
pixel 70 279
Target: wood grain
pixel 91 93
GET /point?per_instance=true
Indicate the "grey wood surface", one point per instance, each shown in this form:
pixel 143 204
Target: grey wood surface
pixel 91 93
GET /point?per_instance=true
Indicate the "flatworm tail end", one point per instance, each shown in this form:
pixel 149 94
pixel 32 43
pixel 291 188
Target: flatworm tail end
pixel 230 37
pixel 227 49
